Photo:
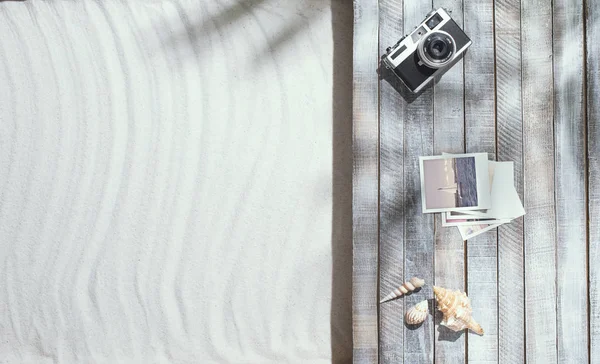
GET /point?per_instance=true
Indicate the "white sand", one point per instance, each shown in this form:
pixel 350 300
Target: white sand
pixel 166 174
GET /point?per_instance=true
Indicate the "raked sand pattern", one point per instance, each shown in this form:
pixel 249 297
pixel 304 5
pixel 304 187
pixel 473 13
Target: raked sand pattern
pixel 172 185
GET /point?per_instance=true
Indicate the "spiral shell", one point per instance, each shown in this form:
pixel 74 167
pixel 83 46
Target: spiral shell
pixel 417 314
pixel 456 307
pixel 409 286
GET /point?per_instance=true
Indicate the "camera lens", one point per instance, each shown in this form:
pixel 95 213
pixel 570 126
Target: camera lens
pixel 437 49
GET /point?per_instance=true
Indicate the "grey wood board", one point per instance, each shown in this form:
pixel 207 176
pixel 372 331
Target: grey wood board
pixel 391 194
pixel 538 150
pixel 365 183
pixel 570 194
pixel 509 129
pixel 481 137
pixel 592 22
pixel 449 128
pixel 418 232
pixel 483 291
pixel 479 78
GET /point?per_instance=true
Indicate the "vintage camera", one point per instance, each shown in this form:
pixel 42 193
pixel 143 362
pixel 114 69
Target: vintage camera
pixel 426 52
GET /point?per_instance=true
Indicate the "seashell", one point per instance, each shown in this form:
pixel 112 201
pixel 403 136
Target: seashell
pixel 456 307
pixel 409 286
pixel 417 313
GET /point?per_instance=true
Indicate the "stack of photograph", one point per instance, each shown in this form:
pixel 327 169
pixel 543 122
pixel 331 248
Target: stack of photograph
pixel 469 192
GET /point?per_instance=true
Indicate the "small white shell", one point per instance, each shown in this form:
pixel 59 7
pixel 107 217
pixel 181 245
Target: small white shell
pixel 405 288
pixel 417 314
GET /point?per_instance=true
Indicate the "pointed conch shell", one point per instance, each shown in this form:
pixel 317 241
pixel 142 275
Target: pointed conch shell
pixel 409 286
pixel 417 313
pixel 456 307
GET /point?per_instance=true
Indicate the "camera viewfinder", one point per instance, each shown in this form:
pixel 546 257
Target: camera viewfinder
pixel 433 21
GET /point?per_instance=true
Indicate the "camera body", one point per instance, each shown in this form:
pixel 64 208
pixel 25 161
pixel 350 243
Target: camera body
pixel 427 51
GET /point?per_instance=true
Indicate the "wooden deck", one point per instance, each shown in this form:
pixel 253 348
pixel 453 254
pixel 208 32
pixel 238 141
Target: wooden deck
pixel 528 91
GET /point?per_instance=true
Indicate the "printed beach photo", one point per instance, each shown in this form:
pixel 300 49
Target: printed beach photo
pixel 454 182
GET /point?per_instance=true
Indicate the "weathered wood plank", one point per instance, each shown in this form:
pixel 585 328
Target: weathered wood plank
pixel 449 128
pixel 592 22
pixel 419 237
pixel 511 296
pixel 570 195
pixel 481 137
pixel 482 282
pixel 538 154
pixel 479 78
pixel 391 194
pixel 365 181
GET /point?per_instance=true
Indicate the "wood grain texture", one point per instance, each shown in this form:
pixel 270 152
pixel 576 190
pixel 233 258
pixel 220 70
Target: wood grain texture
pixel 391 194
pixel 592 21
pixel 365 182
pixel 570 183
pixel 511 289
pixel 479 78
pixel 449 128
pixel 538 154
pixel 525 101
pixel 419 227
pixel 481 137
